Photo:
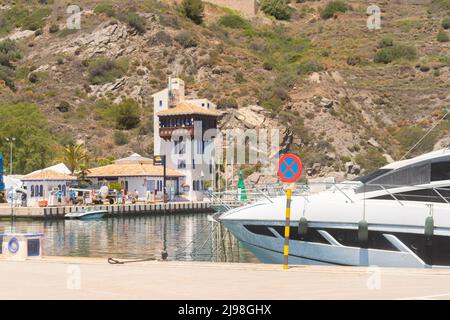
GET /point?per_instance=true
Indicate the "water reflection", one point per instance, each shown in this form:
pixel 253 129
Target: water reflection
pixel 188 237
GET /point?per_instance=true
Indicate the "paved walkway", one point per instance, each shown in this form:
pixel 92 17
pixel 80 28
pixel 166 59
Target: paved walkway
pixel 83 278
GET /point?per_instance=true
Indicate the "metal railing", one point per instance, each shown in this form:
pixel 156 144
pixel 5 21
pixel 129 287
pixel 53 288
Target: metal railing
pixel 351 191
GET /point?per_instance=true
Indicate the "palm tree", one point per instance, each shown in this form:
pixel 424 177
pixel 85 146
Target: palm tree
pixel 83 172
pixel 75 156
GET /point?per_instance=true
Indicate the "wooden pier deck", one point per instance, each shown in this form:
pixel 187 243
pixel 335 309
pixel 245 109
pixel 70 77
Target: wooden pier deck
pixel 113 210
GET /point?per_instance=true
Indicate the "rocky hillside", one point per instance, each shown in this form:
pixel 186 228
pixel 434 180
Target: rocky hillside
pixel 346 98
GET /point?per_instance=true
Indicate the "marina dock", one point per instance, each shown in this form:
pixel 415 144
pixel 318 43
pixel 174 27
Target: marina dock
pixel 113 210
pixel 88 278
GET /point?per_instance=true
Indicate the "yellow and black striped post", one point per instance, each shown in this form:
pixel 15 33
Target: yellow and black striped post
pixel 287 229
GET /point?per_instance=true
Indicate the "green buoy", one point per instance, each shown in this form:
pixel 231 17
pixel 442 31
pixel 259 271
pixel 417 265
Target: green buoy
pixel 242 193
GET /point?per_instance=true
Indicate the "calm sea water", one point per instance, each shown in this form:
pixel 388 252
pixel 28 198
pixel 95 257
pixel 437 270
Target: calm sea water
pixel 187 237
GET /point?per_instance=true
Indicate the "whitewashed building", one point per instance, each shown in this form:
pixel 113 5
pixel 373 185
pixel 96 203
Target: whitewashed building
pixel 179 134
pixel 43 185
pixel 139 176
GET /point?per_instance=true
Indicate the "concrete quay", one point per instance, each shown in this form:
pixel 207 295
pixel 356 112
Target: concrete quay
pixel 113 210
pixel 86 278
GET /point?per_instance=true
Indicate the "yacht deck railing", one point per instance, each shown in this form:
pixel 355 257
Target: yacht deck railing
pixel 228 199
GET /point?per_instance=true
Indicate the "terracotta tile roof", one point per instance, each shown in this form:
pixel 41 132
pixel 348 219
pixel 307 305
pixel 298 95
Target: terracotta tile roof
pixel 131 170
pixel 47 175
pixel 185 108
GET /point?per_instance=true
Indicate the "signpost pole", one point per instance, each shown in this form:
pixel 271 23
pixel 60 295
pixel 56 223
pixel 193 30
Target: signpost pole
pixel 289 170
pixel 164 178
pixel 287 229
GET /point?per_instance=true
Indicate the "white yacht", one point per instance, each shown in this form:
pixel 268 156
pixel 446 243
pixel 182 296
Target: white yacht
pixel 397 216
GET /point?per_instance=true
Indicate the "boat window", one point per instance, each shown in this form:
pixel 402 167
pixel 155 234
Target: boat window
pixel 372 175
pixel 440 171
pixel 259 229
pixel 407 176
pixel 422 195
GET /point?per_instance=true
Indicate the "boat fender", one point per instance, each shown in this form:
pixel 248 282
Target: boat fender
pixel 429 226
pixel 303 226
pixel 363 231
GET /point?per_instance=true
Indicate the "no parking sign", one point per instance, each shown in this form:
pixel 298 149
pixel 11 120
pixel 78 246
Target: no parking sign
pixel 289 168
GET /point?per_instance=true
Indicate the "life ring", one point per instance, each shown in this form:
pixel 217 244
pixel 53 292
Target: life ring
pixel 13 245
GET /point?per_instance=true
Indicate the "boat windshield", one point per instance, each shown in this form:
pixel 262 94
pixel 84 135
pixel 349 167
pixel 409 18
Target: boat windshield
pixel 372 175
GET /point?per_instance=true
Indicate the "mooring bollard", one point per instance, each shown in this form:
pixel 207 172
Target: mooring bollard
pixel 287 229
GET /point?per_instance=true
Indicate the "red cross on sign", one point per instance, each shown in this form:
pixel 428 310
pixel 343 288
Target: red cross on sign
pixel 289 168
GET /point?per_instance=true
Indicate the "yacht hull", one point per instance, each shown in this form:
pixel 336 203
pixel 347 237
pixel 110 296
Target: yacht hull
pixel 269 249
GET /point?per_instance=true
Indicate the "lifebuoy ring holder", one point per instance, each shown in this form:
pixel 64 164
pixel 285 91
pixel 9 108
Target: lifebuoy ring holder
pixel 13 245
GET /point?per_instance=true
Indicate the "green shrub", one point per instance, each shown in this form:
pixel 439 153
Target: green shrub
pixel 34 146
pixel 135 21
pixel 7 75
pixel 233 21
pixel 396 52
pixel 35 20
pixel 105 8
pixel 408 136
pixel 354 60
pixel 127 114
pixel 9 53
pixel 446 23
pixel 386 42
pixel 104 70
pixel 227 103
pixel 309 67
pixel 442 36
pixel 278 9
pixel 53 28
pixel 120 138
pixel 193 9
pixel 371 159
pixel 332 8
pixel 442 3
pixel 185 39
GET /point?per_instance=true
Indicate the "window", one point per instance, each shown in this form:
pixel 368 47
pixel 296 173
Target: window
pixel 41 190
pixel 422 195
pixel 160 103
pixel 210 168
pixel 181 164
pixel 372 175
pixel 64 190
pixel 407 176
pixel 32 190
pixel 180 146
pixel 193 163
pixel 440 171
pixel 196 185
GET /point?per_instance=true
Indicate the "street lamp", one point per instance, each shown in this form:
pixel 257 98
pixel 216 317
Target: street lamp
pixel 11 141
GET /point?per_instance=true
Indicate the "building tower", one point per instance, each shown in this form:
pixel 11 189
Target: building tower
pixel 179 126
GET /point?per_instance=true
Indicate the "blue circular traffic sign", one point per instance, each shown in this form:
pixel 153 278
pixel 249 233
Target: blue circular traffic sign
pixel 289 168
